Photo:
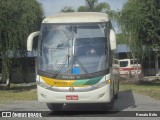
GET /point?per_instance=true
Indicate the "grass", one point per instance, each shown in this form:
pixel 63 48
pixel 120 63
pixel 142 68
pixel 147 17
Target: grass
pixel 24 93
pixel 18 92
pixel 152 90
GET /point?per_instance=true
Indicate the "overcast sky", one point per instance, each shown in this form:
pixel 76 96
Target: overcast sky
pixel 52 7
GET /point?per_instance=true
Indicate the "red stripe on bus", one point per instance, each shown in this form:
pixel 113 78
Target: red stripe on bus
pixel 124 74
pixel 130 69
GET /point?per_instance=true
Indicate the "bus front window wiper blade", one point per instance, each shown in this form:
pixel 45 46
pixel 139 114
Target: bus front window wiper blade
pixel 62 65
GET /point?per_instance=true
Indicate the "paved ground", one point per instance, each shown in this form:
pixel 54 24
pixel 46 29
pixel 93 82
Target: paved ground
pixel 127 101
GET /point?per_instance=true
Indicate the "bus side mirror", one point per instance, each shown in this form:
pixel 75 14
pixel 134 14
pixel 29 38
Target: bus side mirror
pixel 112 37
pixel 30 40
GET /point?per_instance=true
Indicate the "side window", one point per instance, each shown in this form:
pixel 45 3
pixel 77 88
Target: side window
pixel 135 62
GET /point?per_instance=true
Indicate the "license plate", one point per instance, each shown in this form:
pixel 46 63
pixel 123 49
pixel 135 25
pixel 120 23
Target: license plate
pixel 72 97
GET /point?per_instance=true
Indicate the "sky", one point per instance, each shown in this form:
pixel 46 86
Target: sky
pixel 52 7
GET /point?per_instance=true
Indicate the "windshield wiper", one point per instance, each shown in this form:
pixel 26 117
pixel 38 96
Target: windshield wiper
pixel 62 65
pixel 65 60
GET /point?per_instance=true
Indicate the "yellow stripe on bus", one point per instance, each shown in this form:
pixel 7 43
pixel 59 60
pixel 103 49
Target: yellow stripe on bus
pixel 58 83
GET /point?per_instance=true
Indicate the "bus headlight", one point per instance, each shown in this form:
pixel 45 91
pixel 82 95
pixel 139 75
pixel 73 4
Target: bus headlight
pixel 101 84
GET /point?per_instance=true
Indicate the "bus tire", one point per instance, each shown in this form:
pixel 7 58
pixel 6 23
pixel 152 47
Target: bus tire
pixel 116 95
pixel 108 106
pixel 54 107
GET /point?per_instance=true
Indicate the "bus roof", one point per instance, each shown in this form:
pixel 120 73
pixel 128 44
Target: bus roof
pixel 77 17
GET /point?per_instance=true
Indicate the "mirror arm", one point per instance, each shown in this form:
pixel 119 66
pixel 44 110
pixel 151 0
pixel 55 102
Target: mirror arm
pixel 30 40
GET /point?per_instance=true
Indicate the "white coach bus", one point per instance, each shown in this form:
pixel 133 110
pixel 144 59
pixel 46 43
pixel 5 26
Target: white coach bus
pixel 75 60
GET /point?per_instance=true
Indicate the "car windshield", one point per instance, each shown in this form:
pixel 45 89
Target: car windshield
pixel 73 49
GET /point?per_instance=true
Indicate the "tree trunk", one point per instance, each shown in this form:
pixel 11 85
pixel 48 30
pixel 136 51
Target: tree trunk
pixel 8 82
pixel 6 70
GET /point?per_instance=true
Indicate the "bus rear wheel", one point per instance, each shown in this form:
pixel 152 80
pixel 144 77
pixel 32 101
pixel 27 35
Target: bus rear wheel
pixel 54 107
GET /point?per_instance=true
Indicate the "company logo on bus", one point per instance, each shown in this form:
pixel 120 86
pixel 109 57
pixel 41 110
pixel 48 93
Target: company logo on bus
pixel 60 83
pixel 71 89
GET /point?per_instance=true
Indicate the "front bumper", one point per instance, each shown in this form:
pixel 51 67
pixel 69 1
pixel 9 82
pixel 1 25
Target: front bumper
pixel 99 95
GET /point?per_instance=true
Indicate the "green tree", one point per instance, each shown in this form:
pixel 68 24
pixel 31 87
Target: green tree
pixel 121 39
pixel 139 22
pixel 67 9
pixel 94 6
pixel 18 18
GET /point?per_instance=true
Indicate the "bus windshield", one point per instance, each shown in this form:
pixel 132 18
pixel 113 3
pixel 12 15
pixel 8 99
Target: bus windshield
pixel 123 63
pixel 73 49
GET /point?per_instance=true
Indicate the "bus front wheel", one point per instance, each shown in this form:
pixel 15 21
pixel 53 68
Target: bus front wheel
pixel 108 106
pixel 54 107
